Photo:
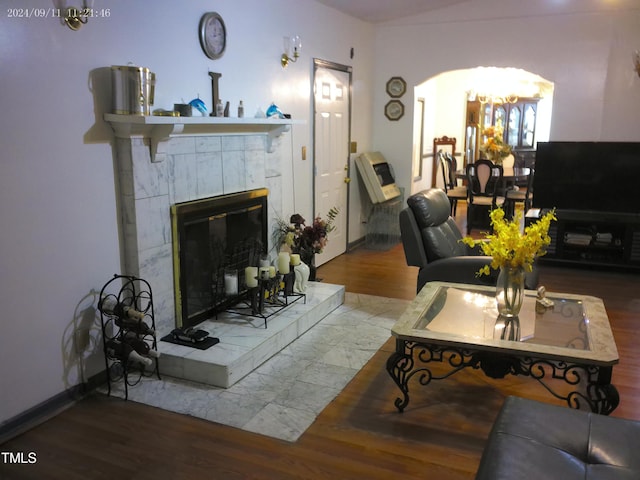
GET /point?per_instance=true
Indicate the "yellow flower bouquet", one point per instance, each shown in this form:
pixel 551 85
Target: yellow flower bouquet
pixel 510 247
pixel 494 147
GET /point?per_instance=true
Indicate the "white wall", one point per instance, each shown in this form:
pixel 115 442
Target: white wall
pixel 60 242
pixel 583 47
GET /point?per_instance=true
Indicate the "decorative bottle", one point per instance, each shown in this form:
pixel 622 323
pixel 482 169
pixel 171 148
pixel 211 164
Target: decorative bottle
pixel 240 110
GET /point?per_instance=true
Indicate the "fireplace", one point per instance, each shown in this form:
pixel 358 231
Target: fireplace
pixel 214 237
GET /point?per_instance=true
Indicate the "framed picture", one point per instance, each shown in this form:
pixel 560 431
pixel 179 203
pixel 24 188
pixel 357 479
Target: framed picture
pixel 394 110
pixel 396 87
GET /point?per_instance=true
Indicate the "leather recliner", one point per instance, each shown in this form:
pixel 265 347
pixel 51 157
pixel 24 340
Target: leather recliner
pixel 431 241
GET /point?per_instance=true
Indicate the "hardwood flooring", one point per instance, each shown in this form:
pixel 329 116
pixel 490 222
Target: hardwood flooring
pixel 359 435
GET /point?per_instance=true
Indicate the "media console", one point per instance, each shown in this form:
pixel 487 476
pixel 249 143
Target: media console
pixel 592 238
pixel 593 187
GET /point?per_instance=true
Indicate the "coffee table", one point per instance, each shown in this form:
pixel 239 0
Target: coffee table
pixel 457 326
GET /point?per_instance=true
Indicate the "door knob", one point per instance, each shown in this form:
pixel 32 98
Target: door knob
pixel 347 179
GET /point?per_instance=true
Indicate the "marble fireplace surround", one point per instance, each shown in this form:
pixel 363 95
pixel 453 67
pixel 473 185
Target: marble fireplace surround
pixel 202 158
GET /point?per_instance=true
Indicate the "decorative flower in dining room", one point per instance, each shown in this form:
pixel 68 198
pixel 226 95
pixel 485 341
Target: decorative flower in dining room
pixel 494 147
pixel 510 247
pixel 305 239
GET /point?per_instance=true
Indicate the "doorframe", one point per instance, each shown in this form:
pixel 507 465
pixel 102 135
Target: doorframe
pixel 319 63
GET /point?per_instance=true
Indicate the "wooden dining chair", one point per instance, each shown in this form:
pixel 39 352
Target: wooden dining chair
pixel 454 192
pixel 513 197
pixel 484 180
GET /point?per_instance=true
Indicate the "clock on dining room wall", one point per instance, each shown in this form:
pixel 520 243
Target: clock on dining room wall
pixel 213 35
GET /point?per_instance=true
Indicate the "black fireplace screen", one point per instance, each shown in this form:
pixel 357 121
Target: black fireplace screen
pixel 212 237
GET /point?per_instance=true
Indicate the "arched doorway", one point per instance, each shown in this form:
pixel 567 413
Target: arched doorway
pixel 461 103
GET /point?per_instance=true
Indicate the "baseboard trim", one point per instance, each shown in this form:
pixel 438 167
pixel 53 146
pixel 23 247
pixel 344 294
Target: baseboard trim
pixel 356 243
pixel 49 408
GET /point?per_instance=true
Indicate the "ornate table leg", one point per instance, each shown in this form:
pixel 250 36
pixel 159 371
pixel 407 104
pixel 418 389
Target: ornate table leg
pixel 399 365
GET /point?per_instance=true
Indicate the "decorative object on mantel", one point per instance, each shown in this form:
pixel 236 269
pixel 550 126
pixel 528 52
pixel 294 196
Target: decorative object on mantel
pixel 513 253
pixel 305 240
pixel 394 110
pixel 494 147
pixel 132 89
pixel 396 87
pixel 128 331
pixel 292 49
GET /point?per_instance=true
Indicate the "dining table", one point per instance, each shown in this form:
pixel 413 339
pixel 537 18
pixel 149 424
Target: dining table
pixel 510 175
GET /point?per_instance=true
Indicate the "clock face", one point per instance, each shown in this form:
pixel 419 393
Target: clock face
pixel 213 35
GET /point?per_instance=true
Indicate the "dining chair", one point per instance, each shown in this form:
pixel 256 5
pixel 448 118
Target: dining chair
pixel 484 180
pixel 454 192
pixel 514 196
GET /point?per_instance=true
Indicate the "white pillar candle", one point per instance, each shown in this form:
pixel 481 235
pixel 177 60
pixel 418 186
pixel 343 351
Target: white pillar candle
pixel 264 273
pixel 295 259
pixel 283 262
pixel 251 277
pixel 231 282
pixel 264 261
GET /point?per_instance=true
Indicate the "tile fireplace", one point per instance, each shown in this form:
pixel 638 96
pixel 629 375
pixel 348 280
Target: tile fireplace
pixel 195 167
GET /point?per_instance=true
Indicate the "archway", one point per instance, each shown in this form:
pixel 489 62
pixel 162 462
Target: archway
pixel 443 108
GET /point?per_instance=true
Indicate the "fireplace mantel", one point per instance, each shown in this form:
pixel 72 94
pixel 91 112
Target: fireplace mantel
pixel 159 129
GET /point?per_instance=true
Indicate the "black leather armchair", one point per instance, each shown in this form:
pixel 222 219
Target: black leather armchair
pixel 431 241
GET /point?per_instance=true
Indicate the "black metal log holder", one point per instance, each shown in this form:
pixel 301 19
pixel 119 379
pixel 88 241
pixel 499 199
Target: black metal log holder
pixel 128 331
pixel 271 296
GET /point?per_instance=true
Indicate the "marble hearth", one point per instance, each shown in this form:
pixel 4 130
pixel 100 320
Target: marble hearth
pixel 244 342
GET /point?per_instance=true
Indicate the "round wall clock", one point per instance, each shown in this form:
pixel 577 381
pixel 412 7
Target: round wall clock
pixel 396 87
pixel 394 110
pixel 213 35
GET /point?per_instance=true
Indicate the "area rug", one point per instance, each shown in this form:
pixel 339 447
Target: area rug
pixel 283 397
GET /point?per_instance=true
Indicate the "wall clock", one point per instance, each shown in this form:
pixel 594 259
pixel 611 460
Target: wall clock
pixel 213 35
pixel 394 110
pixel 396 87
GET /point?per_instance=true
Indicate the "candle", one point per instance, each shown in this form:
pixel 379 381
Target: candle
pixel 272 271
pixel 251 277
pixel 264 273
pixel 295 259
pixel 283 262
pixel 231 282
pixel 264 261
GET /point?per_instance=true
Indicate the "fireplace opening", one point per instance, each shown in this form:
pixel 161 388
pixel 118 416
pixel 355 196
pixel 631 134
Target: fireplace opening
pixel 214 237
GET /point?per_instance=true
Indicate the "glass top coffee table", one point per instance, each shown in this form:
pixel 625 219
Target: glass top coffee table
pixel 458 326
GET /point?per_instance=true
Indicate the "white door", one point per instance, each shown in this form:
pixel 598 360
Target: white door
pixel 332 121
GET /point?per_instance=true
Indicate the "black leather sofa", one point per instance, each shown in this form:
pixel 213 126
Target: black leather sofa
pixel 431 241
pixel 531 440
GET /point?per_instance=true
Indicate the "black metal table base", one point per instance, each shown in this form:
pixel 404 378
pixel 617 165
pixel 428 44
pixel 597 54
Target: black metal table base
pixel 593 388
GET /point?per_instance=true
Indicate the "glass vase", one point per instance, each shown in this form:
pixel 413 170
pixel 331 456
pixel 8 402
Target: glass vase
pixel 510 290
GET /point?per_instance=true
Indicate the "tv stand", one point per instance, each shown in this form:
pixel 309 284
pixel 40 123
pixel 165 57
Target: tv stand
pixel 592 238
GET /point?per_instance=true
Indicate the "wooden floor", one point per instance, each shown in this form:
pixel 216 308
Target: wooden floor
pixel 359 435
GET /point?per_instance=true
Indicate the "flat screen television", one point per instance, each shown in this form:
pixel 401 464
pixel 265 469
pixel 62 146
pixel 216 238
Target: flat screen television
pixel 588 176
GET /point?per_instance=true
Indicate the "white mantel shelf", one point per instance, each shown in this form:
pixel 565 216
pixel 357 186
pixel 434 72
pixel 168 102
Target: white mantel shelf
pixel 159 129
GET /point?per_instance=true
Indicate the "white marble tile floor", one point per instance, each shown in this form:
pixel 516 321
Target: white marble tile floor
pixel 282 397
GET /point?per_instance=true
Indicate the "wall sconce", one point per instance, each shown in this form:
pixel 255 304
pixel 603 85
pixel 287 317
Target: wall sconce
pixel 75 17
pixel 292 47
pixel 636 61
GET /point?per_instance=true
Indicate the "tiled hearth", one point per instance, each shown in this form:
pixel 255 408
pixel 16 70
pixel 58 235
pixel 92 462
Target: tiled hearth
pixel 245 343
